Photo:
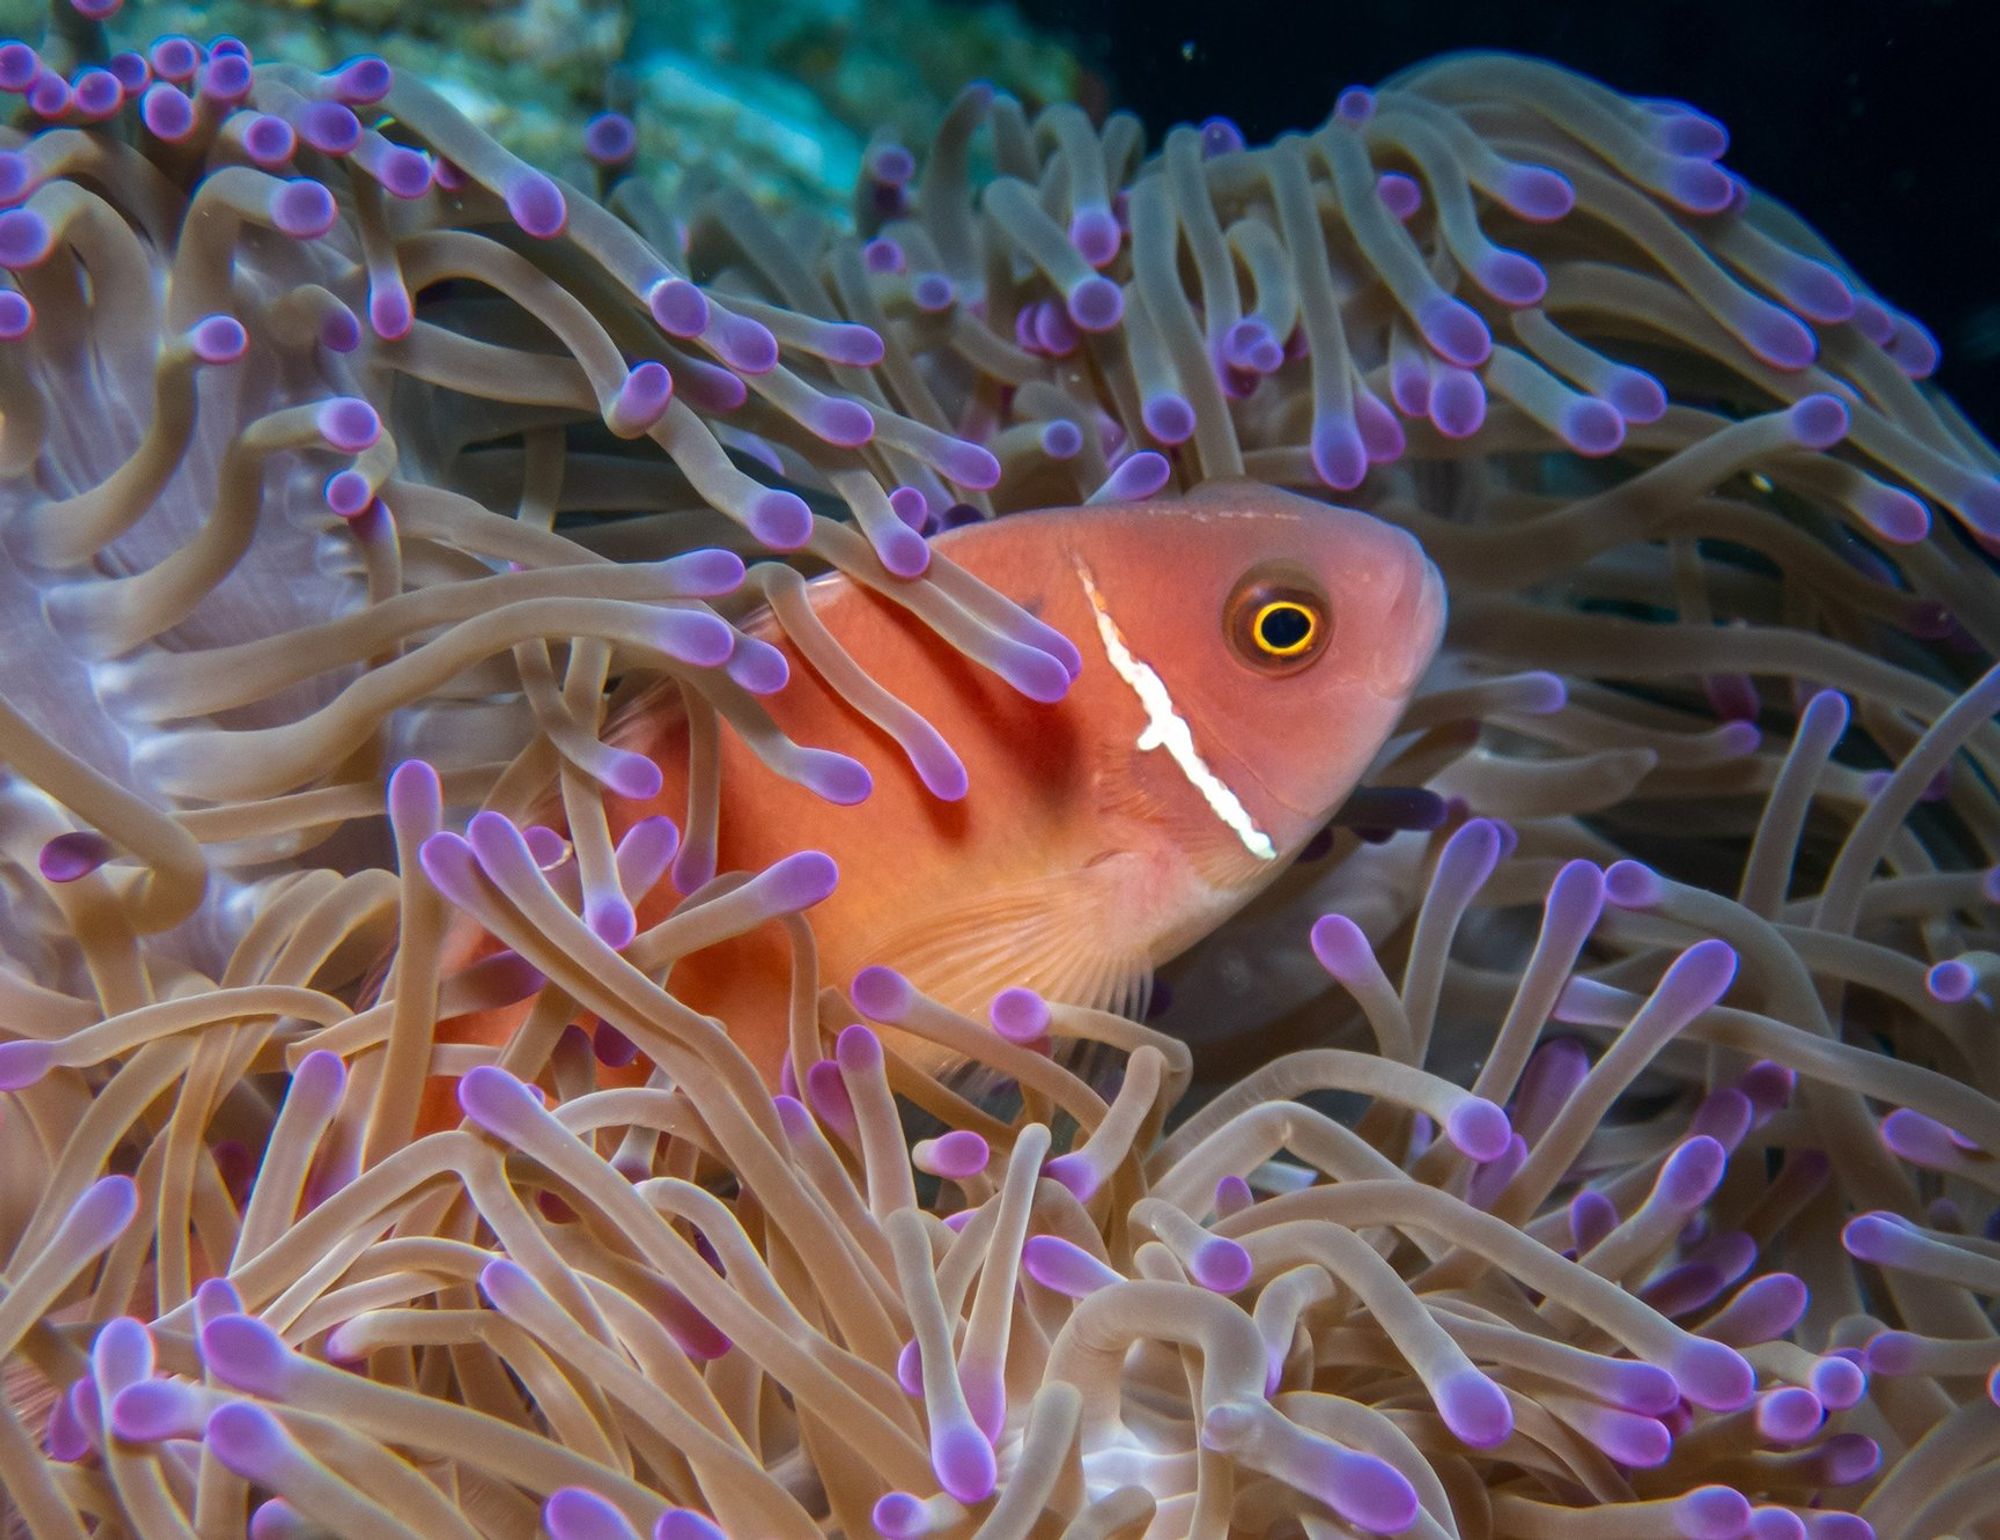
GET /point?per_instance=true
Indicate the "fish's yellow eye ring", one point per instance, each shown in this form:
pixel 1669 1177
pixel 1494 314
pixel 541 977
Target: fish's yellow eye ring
pixel 1285 628
pixel 1278 621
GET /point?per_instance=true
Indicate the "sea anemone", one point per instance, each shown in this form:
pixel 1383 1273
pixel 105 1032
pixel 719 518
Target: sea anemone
pixel 1610 1158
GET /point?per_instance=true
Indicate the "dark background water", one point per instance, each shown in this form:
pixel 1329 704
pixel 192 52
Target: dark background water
pixel 1880 123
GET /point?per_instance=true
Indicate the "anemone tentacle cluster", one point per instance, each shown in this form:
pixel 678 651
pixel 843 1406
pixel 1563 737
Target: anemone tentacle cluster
pixel 1614 1159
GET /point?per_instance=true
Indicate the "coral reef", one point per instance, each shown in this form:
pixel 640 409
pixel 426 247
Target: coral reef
pixel 779 101
pixel 1612 1160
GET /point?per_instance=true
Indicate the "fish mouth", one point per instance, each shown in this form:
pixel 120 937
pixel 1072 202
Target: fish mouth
pixel 1412 628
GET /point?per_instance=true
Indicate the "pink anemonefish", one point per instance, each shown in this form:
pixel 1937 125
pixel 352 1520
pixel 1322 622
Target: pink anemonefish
pixel 1244 654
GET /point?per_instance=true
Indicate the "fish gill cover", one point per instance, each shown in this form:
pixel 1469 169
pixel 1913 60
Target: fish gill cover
pixel 347 458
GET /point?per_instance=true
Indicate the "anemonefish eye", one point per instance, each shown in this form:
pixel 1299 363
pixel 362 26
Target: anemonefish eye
pixel 1284 628
pixel 1278 625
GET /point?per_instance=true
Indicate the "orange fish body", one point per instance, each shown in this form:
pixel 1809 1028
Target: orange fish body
pixel 1245 654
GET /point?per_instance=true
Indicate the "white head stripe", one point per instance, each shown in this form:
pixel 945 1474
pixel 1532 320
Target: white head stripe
pixel 1167 729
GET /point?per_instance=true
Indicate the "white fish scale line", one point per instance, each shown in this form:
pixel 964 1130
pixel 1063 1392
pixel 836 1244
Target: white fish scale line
pixel 1167 729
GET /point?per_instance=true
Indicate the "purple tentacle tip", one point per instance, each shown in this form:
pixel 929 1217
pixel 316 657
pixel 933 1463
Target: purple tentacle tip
pixel 882 994
pixel 1511 278
pixel 215 1298
pixel 1402 195
pixel 1369 1493
pixel 745 345
pixel 1698 978
pixel 610 918
pixel 103 1211
pixel 1355 105
pixel 802 880
pixel 25 238
pixel 963 1461
pixel 842 423
pixel 1341 948
pixel 883 255
pixel 1592 427
pixel 642 400
pixel 1475 1409
pixel 19 65
pixel 706 574
pixel 69 857
pixel 348 424
pixel 1632 885
pixel 1713 1375
pixel 780 519
pixel 1592 1216
pixel 1094 232
pixel 1478 1128
pixel 1137 477
pixel 153 1410
pixel 1039 675
pixel 49 96
pixel 610 138
pixel 1818 421
pixel 1019 1015
pixel 122 1355
pixel 969 465
pixel 1951 982
pixel 1339 458
pixel 679 307
pixel 247 1354
pixel 1914 348
pixel 902 551
pixel 576 1513
pixel 1457 403
pixel 1454 331
pixel 758 666
pixel 833 777
pixel 827 1093
pixel 348 494
pixel 686 1524
pixel 858 1050
pixel 17 316
pixel 1692 1172
pixel 959 1154
pixel 1096 304
pixel 416 795
pixel 328 127
pixel 226 76
pixel 318 1083
pixel 25 1061
pixel 218 339
pixel 856 346
pixel 96 93
pixel 1221 1265
pixel 536 203
pixel 1220 136
pixel 362 80
pixel 1779 338
pixel 1712 1513
pixel 898 1515
pixel 1789 1415
pixel 933 292
pixel 1064 1267
pixel 1168 418
pixel 248 1440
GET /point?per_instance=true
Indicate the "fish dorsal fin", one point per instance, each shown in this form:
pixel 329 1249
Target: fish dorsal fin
pixel 1065 936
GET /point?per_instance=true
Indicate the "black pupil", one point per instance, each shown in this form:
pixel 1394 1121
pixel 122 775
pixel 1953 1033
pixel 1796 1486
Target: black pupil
pixel 1284 626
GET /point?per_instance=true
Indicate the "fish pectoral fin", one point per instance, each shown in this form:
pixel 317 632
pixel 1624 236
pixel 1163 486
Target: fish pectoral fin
pixel 1059 936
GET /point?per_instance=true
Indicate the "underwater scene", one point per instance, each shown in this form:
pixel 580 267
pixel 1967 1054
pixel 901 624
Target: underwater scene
pixel 908 770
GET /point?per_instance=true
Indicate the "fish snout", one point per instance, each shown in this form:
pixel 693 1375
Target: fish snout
pixel 1409 624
